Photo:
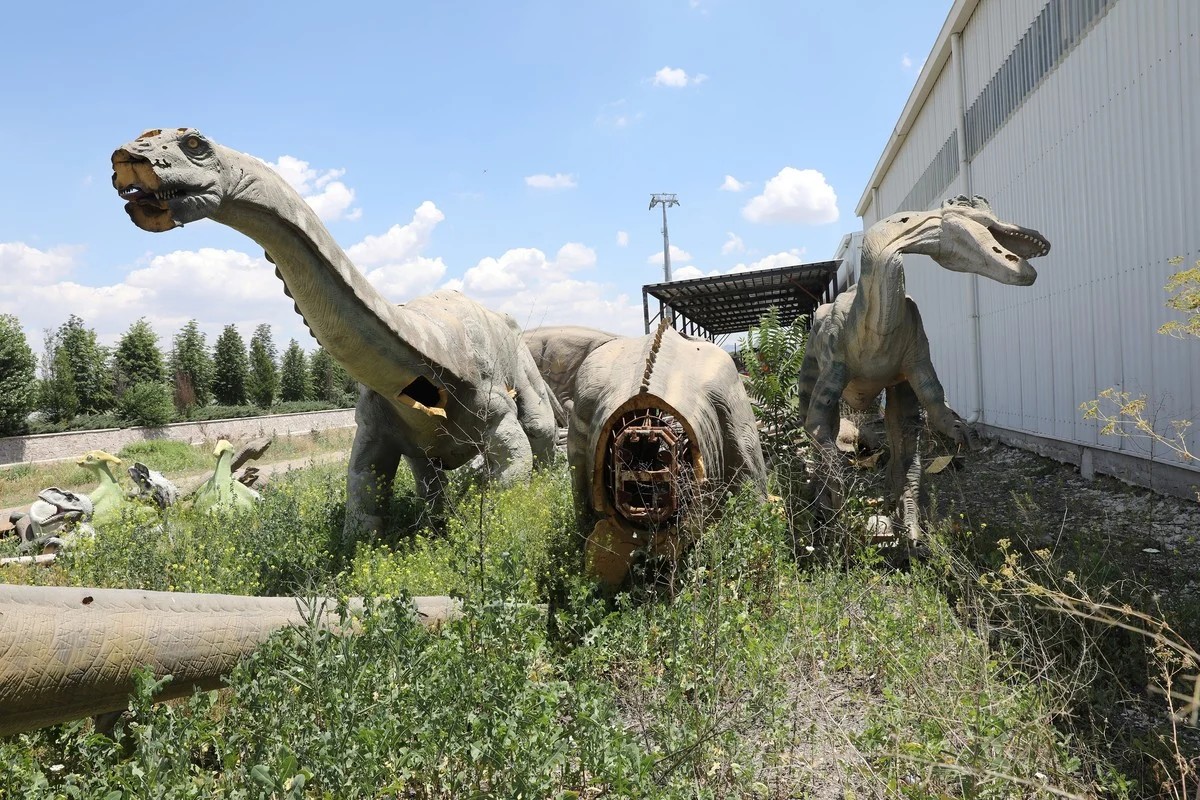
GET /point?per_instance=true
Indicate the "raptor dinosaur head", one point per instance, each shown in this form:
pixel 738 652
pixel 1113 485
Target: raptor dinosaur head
pixel 168 178
pixel 965 235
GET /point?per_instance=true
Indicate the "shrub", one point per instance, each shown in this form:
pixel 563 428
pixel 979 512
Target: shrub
pixel 148 404
pixel 224 412
pixel 81 422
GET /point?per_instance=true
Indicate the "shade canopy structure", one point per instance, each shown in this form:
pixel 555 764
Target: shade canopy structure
pixel 724 304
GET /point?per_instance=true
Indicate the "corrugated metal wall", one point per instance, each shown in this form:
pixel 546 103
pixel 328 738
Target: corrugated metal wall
pixel 1101 156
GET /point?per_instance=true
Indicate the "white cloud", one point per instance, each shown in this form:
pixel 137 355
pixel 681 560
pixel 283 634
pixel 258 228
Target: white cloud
pixel 400 242
pixel 328 196
pixel 558 180
pixel 787 258
pixel 733 244
pixel 794 195
pixel 213 286
pixel 393 261
pixel 732 184
pixel 678 256
pixel 31 265
pixel 689 272
pixel 526 267
pixel 538 290
pixel 622 238
pixel 675 78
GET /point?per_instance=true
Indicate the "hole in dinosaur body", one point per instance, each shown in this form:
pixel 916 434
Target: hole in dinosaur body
pixel 423 395
pixel 648 468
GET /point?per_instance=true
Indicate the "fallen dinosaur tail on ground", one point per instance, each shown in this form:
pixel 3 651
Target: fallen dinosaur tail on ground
pixel 71 652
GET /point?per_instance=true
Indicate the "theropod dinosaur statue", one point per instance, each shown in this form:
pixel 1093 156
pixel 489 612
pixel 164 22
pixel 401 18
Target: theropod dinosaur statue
pixel 71 652
pixel 443 379
pixel 661 430
pixel 870 339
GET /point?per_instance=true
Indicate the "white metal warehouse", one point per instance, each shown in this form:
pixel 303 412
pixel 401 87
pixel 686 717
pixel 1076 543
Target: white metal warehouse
pixel 1081 119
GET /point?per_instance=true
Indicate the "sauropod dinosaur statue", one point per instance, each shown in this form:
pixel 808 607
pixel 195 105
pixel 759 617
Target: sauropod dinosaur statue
pixel 558 351
pixel 661 430
pixel 870 338
pixel 71 652
pixel 442 379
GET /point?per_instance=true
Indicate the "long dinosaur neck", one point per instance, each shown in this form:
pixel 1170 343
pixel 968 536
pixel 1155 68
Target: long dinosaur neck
pixel 880 295
pixel 106 477
pixel 224 472
pixel 358 326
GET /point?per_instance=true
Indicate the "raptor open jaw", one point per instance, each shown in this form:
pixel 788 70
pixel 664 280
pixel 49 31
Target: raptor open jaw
pixel 1023 242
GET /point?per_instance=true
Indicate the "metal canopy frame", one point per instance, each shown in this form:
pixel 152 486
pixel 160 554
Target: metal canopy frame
pixel 725 304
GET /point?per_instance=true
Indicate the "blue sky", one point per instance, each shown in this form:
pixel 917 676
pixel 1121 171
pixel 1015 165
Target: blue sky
pixel 508 149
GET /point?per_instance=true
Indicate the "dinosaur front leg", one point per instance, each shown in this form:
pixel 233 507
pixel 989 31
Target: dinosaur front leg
pixel 810 370
pixel 507 453
pixel 373 464
pixel 824 413
pixel 430 479
pixel 374 458
pixel 535 410
pixel 942 418
pixel 902 420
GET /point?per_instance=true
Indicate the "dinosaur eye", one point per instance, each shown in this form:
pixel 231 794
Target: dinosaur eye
pixel 192 142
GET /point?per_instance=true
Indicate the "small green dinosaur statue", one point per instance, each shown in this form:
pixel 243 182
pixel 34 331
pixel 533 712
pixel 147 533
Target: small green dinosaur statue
pixel 221 492
pixel 108 498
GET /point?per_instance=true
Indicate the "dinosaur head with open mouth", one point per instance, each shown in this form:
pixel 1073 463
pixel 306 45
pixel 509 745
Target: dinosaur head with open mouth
pixel 168 178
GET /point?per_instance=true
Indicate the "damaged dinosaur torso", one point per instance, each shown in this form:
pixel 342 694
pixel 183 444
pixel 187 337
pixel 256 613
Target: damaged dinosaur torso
pixel 660 431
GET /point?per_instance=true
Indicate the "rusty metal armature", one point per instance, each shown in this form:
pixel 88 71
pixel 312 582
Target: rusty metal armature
pixel 648 467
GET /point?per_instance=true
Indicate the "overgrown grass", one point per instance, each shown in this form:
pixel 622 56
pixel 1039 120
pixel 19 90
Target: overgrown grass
pixel 751 677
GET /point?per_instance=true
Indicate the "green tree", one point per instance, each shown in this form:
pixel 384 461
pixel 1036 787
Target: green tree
pixel 56 397
pixel 88 363
pixel 191 368
pixel 263 385
pixel 330 382
pixel 138 358
pixel 230 368
pixel 18 386
pixel 294 381
pixel 147 403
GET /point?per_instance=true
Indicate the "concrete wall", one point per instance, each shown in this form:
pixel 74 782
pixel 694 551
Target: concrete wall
pixel 63 446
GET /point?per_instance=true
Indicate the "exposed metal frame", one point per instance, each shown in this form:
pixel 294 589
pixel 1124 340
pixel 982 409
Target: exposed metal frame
pixel 716 306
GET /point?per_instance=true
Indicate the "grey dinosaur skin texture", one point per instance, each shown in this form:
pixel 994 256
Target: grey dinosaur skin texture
pixel 442 378
pixel 870 339
pixel 558 351
pixel 70 652
pixel 698 382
